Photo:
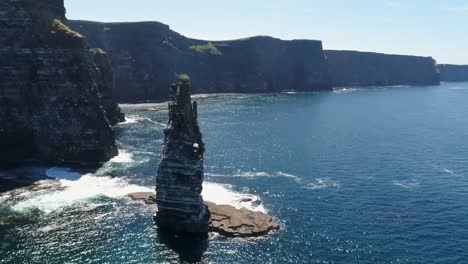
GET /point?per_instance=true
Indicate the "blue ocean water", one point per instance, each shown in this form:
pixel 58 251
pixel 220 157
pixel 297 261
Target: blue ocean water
pixel 375 175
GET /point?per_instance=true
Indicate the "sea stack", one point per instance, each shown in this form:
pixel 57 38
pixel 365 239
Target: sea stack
pixel 180 174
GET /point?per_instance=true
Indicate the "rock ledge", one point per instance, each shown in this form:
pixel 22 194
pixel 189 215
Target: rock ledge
pixel 227 220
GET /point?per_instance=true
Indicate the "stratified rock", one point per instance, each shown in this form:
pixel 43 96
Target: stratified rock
pixel 230 221
pixel 105 83
pixel 180 174
pixel 353 68
pixel 146 55
pixel 227 220
pixel 50 108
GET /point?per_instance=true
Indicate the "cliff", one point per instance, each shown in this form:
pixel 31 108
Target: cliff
pixel 352 68
pixel 146 56
pixel 50 106
pixel 180 174
pixel 453 73
pixel 105 79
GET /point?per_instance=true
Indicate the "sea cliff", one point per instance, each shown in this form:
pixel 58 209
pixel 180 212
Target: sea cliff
pixel 50 104
pixel 453 73
pixel 146 57
pixel 353 68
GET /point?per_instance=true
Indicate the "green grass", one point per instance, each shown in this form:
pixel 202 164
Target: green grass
pixel 207 48
pixel 97 51
pixel 184 78
pixel 58 27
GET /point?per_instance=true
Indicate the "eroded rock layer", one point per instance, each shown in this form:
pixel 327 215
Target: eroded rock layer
pixel 50 106
pixel 453 73
pixel 105 81
pixel 180 174
pixel 147 55
pixel 353 68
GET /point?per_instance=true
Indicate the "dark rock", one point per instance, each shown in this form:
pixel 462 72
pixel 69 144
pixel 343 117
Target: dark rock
pixel 245 200
pixel 453 73
pixel 227 220
pixel 147 198
pixel 147 55
pixel 230 221
pixel 105 80
pixel 180 174
pixel 352 68
pixel 50 108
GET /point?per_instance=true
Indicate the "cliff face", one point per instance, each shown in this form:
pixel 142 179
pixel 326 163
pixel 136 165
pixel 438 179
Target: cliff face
pixel 105 79
pixel 453 73
pixel 352 68
pixel 180 174
pixel 147 56
pixel 50 107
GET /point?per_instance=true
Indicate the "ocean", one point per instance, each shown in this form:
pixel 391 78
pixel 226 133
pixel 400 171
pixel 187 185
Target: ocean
pixel 376 175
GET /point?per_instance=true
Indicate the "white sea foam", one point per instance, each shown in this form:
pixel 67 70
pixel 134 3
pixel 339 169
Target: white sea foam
pixel 79 192
pixel 275 174
pixel 86 189
pixel 135 119
pixel 457 88
pixel 407 184
pixel 123 157
pixel 449 171
pixel 222 194
pixel 345 90
pixel 253 174
pixel 322 183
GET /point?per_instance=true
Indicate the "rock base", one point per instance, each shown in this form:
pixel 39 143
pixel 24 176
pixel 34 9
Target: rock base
pixel 227 220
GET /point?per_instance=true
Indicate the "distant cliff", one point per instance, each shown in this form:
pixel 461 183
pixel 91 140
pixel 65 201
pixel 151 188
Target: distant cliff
pixel 50 103
pixel 147 56
pixel 453 73
pixel 352 68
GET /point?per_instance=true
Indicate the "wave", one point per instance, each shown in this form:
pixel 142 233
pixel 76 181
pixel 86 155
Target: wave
pixel 322 183
pixel 254 174
pixel 135 119
pixel 77 192
pixel 457 88
pixel 345 90
pixel 223 194
pixel 449 171
pixel 407 184
pixel 89 188
pixel 123 157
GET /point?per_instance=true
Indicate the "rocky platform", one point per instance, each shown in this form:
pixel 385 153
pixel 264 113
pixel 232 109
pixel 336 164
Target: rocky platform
pixel 226 219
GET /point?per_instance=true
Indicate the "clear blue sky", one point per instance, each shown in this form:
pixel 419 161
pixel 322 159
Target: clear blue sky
pixel 414 27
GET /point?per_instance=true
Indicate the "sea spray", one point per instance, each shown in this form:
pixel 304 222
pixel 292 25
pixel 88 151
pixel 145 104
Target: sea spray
pixel 89 188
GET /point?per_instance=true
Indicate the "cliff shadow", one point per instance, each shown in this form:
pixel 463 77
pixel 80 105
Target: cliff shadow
pixel 189 247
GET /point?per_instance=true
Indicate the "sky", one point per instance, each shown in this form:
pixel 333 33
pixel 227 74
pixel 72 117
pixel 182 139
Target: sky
pixel 437 28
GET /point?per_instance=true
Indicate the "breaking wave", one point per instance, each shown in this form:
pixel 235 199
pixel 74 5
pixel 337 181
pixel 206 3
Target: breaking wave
pixel 253 174
pixel 407 184
pixel 345 90
pixel 135 119
pixel 89 188
pixel 322 183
